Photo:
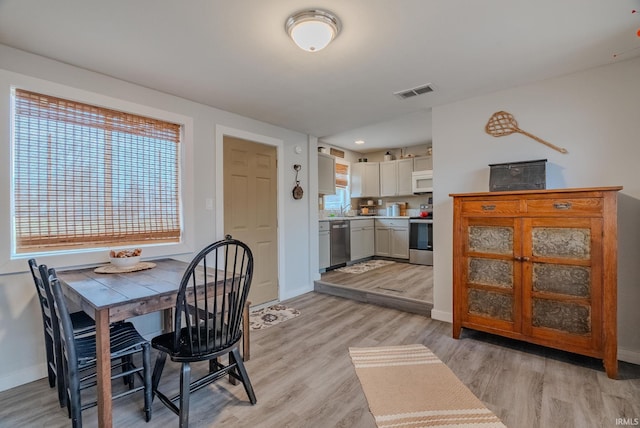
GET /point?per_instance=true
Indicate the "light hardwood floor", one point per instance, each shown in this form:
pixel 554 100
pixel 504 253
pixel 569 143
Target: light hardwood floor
pixel 303 377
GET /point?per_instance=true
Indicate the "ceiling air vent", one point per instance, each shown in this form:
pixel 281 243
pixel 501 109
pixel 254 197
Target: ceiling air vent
pixel 419 90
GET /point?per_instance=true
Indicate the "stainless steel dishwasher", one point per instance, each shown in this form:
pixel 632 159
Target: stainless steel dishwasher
pixel 340 242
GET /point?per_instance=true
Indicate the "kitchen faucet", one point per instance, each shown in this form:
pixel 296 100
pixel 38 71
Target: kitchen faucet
pixel 343 209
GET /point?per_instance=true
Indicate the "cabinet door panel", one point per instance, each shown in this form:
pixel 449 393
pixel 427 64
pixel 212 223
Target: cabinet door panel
pixel 490 278
pixel 562 279
pixel 565 317
pixel 489 304
pixel 490 239
pixel 561 242
pixel 492 272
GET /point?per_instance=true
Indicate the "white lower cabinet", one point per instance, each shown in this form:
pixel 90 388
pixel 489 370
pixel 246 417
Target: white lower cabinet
pixel 392 238
pixel 324 245
pixel 362 239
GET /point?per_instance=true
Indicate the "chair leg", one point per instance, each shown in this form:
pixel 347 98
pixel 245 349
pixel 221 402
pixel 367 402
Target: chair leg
pixel 185 390
pixel 146 365
pixel 51 362
pixel 242 372
pixel 157 373
pixel 126 362
pixel 74 404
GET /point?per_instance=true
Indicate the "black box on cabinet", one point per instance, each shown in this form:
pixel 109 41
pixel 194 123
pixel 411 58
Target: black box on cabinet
pixel 525 175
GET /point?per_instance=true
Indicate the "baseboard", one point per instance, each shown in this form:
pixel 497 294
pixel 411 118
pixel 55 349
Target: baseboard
pixel 629 356
pixel 290 294
pixel 442 316
pixel 21 377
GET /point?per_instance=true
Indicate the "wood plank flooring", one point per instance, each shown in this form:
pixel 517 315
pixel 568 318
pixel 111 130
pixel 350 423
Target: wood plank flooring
pixel 303 377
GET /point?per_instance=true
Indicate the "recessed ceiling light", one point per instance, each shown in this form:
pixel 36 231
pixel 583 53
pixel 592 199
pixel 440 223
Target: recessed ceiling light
pixel 359 142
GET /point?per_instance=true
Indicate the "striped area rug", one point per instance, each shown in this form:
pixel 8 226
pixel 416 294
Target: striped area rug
pixel 408 386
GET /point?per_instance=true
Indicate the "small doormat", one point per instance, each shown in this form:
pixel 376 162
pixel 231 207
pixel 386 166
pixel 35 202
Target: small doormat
pixel 271 315
pixel 408 386
pixel 363 267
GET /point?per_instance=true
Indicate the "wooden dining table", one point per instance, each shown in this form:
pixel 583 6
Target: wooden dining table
pixel 119 296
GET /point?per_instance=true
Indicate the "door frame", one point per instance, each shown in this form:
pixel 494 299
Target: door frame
pixel 221 132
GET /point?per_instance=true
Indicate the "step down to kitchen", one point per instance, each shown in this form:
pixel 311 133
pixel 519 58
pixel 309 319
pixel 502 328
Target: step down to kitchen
pixel 400 303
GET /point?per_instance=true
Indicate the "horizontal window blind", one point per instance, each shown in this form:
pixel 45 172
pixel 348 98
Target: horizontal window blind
pixel 342 175
pixel 87 176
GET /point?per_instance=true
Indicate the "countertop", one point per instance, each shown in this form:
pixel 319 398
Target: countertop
pixel 364 217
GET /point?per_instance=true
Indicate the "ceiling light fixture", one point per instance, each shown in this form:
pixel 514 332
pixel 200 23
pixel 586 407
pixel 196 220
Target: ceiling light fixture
pixel 313 29
pixel 359 142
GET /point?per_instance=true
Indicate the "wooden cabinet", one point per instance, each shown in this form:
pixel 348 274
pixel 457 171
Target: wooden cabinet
pixel 326 174
pixel 365 179
pixel 362 239
pixel 395 177
pixel 539 266
pixel 324 245
pixel 392 238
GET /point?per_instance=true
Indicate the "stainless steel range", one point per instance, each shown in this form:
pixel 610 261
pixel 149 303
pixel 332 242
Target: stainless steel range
pixel 421 237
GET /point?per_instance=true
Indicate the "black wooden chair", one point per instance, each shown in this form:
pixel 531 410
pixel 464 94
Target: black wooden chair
pixel 79 354
pixel 81 322
pixel 209 327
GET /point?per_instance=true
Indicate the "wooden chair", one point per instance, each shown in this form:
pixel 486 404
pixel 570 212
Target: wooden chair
pixel 81 324
pixel 79 354
pixel 207 327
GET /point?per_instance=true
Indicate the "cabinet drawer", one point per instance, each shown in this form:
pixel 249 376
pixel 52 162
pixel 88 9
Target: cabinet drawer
pixel 491 207
pixel 385 222
pixel 323 226
pixel 564 206
pixel 361 223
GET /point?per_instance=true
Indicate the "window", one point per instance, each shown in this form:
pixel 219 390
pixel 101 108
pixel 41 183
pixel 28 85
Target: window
pixel 87 177
pixel 341 198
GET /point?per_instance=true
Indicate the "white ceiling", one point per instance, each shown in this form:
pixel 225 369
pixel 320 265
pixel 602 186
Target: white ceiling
pixel 236 56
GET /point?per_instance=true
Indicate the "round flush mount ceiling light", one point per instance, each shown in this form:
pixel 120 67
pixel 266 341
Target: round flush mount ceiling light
pixel 313 29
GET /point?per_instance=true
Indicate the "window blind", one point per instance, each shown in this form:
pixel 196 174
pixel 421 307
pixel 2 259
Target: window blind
pixel 342 175
pixel 87 176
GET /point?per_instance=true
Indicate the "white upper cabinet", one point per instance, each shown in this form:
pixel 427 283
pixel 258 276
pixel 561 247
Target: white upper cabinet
pixel 326 174
pixel 395 177
pixel 388 178
pixel 365 179
pixel 405 168
pixel 422 163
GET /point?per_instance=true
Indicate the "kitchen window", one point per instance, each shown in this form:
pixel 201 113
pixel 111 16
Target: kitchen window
pixel 85 176
pixel 341 199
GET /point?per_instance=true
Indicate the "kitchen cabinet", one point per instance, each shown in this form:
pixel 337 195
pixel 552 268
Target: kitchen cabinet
pixel 405 168
pixel 326 174
pixel 362 239
pixel 324 245
pixel 365 179
pixel 395 177
pixel 392 238
pixel 422 163
pixel 539 266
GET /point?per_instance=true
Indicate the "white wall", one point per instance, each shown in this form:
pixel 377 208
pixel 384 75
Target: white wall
pixel 20 323
pixel 595 115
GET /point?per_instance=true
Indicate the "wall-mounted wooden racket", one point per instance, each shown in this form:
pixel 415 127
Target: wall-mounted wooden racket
pixel 502 123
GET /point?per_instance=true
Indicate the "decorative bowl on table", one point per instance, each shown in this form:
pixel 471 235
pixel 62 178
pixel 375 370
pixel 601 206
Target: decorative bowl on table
pixel 125 258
